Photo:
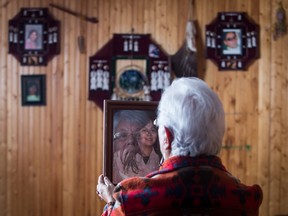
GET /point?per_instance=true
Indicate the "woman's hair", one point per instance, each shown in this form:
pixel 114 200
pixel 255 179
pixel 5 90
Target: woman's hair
pixel 134 117
pixel 195 116
pixel 31 32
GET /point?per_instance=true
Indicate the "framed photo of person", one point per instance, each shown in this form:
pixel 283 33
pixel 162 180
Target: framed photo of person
pixel 33 90
pixel 131 146
pixel 232 41
pixel 34 36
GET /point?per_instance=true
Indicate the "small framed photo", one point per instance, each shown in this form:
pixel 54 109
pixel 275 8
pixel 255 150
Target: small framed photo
pixel 131 145
pixel 33 37
pixel 33 90
pixel 232 41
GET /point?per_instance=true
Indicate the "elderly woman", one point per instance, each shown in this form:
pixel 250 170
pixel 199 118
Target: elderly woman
pixel 192 179
pixel 135 150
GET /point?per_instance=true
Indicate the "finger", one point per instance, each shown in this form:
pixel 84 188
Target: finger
pixel 107 181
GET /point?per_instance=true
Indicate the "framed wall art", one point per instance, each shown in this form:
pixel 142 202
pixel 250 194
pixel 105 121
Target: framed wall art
pixel 34 36
pixel 135 58
pixel 33 89
pixel 232 41
pixel 131 146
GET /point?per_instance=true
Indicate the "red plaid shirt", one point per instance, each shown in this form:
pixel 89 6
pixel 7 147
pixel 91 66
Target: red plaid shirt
pixel 186 186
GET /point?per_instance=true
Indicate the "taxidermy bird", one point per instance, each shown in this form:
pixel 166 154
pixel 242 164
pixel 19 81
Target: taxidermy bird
pixel 280 27
pixel 184 61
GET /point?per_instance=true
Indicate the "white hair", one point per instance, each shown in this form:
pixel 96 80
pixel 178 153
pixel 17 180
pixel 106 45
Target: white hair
pixel 195 116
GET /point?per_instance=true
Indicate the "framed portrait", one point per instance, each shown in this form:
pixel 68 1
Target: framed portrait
pixel 34 36
pixel 232 41
pixel 131 146
pixel 33 90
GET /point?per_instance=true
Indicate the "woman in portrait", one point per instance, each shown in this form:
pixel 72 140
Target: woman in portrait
pixel 32 40
pixel 231 43
pixel 135 155
pixel 33 93
pixel 147 141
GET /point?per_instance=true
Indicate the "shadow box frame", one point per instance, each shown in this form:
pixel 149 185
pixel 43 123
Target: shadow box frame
pixel 110 108
pixel 39 82
pixel 245 30
pixel 41 47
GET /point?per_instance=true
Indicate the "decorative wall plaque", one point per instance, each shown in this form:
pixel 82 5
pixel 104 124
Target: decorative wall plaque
pixel 34 36
pixel 128 67
pixel 232 41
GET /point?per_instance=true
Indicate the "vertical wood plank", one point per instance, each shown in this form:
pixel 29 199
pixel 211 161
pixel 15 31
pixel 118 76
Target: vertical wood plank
pixel 172 28
pixel 3 111
pixel 96 121
pixel 149 17
pixel 284 125
pixel 264 104
pixel 278 124
pixel 68 119
pixel 160 20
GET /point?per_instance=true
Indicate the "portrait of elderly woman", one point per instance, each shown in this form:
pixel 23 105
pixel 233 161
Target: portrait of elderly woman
pixel 135 144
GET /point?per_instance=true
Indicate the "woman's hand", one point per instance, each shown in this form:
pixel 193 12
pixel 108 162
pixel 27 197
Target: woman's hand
pixel 105 189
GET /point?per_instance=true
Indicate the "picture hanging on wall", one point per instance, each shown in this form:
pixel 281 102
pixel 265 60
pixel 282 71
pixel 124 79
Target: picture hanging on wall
pixel 33 89
pixel 130 67
pixel 232 41
pixel 34 36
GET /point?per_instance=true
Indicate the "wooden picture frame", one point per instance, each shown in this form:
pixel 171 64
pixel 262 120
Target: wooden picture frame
pixel 33 90
pixel 232 41
pixel 120 138
pixel 34 36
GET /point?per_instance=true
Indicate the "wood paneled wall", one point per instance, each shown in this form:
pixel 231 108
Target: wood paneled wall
pixel 51 156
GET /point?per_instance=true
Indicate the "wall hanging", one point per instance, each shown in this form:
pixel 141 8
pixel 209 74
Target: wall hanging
pixel 33 90
pixel 232 41
pixel 34 36
pixel 128 67
pixel 184 61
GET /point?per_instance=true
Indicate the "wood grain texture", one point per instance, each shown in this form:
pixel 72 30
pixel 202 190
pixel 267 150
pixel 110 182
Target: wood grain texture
pixel 51 156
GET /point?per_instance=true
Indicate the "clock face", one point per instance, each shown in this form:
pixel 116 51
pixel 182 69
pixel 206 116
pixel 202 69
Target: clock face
pixel 132 81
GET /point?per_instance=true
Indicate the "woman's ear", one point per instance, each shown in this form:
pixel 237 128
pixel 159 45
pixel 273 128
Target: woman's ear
pixel 169 137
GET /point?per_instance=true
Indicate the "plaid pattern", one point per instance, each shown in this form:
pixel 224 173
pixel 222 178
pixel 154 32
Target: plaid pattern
pixel 186 186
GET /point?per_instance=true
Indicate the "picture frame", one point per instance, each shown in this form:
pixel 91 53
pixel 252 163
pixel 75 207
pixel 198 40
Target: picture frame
pixel 34 36
pixel 232 41
pixel 33 89
pixel 130 78
pixel 138 59
pixel 119 138
pixel 33 30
